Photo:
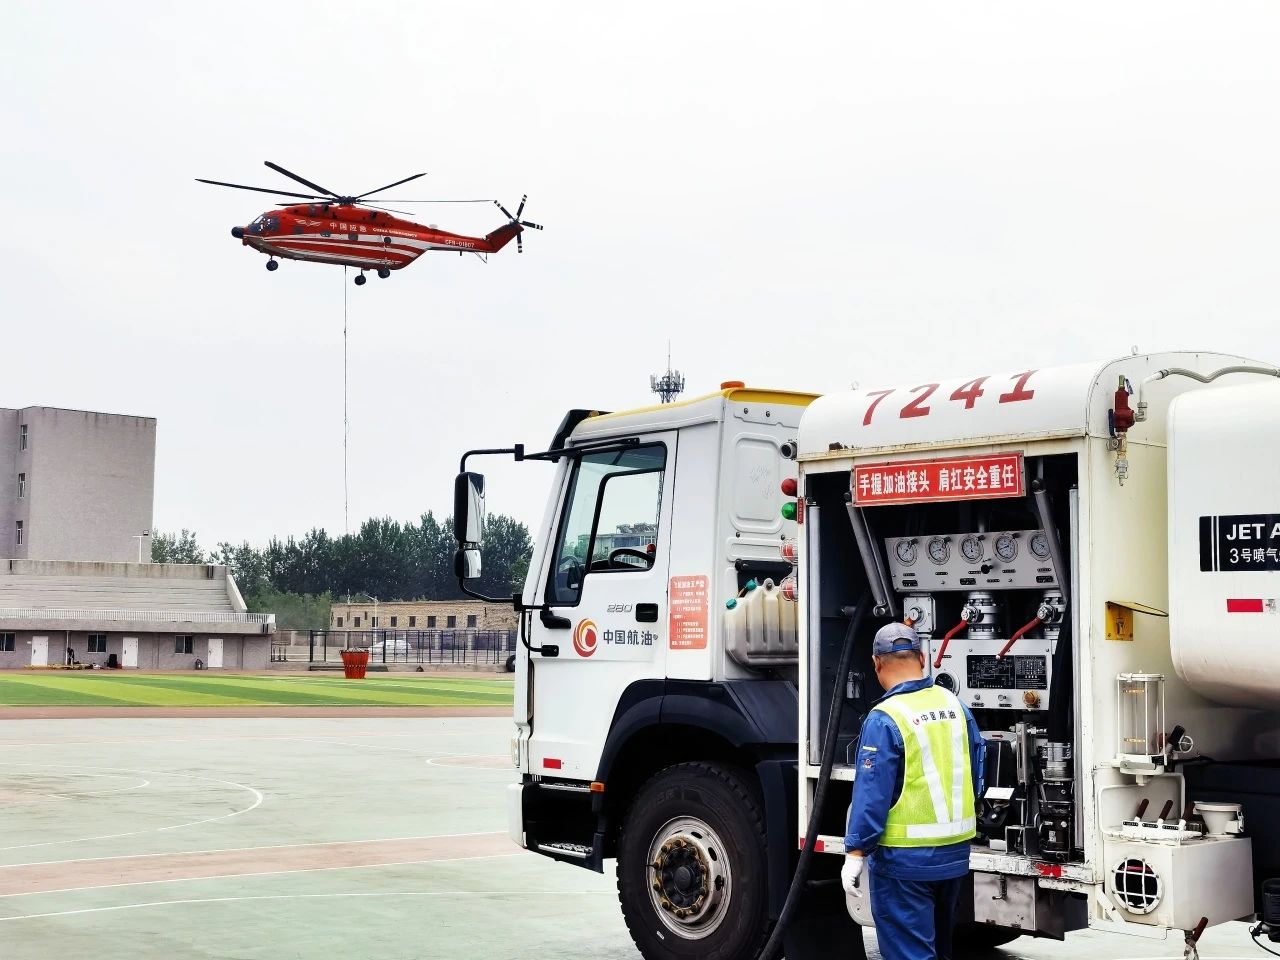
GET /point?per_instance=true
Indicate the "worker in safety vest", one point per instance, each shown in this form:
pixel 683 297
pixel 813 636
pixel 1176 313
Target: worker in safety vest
pixel 918 772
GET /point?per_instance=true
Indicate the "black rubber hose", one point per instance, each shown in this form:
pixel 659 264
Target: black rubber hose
pixel 774 943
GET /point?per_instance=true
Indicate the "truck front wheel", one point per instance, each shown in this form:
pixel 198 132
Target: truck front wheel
pixel 691 865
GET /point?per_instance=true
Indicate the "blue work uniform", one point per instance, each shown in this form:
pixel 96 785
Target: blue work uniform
pixel 916 889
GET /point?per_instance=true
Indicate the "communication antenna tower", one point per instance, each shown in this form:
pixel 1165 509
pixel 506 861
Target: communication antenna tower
pixel 667 385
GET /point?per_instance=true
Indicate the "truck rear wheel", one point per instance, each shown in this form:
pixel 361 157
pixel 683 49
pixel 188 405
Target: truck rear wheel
pixel 691 865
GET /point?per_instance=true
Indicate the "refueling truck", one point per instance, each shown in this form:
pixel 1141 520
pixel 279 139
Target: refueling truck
pixel 1091 554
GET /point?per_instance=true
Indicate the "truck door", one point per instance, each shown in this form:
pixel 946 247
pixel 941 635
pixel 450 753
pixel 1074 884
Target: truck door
pixel 604 584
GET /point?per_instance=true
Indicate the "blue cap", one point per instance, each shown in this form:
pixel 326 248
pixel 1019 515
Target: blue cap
pixel 895 638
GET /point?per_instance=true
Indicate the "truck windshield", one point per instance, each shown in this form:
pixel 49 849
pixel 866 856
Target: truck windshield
pixel 612 505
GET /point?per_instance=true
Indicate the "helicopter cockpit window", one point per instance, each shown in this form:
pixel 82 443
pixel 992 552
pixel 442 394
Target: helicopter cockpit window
pixel 271 224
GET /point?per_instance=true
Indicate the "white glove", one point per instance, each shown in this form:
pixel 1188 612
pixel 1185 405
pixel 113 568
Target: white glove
pixel 850 873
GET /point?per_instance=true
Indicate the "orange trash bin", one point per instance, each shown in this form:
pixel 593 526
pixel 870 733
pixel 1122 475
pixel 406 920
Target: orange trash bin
pixel 355 663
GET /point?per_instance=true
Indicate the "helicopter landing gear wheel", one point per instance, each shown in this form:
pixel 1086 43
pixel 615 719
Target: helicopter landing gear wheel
pixel 361 279
pixel 273 265
pixel 384 272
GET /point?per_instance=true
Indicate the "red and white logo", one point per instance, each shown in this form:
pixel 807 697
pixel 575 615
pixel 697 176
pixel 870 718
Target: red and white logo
pixel 585 638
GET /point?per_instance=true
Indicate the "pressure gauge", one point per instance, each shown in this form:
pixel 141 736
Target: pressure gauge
pixel 939 550
pixel 971 549
pixel 1006 548
pixel 906 550
pixel 1040 545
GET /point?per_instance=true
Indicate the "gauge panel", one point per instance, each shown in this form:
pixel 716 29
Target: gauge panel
pixel 969 560
pixel 1022 680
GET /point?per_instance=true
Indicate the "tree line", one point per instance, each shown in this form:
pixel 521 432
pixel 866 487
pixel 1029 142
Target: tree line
pixel 297 578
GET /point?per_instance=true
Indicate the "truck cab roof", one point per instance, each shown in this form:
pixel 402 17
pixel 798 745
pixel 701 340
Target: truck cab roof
pixel 668 416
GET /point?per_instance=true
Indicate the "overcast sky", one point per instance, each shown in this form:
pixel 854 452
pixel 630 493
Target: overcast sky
pixel 797 195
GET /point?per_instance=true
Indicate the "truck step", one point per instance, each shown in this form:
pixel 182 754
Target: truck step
pixel 566 850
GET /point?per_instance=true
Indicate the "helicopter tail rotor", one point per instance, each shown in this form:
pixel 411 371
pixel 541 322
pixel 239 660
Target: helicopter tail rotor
pixel 515 218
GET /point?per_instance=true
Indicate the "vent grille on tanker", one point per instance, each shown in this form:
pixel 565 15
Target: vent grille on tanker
pixel 1137 885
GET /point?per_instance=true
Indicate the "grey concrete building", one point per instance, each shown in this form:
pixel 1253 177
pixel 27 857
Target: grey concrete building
pixel 75 485
pixel 149 616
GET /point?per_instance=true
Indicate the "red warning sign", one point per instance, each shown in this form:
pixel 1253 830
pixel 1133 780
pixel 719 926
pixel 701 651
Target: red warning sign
pixel 925 481
pixel 688 599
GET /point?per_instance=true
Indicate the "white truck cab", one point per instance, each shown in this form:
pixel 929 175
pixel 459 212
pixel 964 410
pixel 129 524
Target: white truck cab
pixel 694 664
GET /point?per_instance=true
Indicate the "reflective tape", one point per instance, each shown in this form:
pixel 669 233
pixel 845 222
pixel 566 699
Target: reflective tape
pixel 952 828
pixel 928 766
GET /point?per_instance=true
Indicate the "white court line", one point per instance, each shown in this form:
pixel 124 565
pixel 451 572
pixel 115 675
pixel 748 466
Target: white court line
pixel 509 768
pixel 270 846
pixel 96 793
pixel 430 756
pixel 258 796
pixel 299 896
pixel 229 739
pixel 73 795
pixel 425 753
pixel 262 873
pixel 102 793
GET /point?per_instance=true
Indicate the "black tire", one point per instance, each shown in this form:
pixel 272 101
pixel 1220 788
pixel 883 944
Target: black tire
pixel 383 272
pixel 361 280
pixel 977 939
pixel 725 800
pixel 273 265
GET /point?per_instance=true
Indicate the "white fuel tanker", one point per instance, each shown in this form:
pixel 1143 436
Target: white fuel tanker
pixel 1092 553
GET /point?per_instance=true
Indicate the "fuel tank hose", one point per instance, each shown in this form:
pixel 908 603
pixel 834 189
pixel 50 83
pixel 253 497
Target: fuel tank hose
pixel 1018 635
pixel 773 946
pixel 946 641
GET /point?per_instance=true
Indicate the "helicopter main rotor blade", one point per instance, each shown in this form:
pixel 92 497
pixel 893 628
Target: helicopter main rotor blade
pixel 372 206
pixel 368 193
pixel 485 200
pixel 280 193
pixel 293 176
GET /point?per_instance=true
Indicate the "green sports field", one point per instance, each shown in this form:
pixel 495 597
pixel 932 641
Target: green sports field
pixel 211 690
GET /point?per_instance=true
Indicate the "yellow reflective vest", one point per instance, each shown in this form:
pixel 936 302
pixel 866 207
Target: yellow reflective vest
pixel 936 805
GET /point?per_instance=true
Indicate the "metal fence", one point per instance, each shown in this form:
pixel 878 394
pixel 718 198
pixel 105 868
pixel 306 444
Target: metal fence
pixel 413 646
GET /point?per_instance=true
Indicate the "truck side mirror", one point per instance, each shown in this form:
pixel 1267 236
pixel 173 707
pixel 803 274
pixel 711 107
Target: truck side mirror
pixel 468 524
pixel 466 563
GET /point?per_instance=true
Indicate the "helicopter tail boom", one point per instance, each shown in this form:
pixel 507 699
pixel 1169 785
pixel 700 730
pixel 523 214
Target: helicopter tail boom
pixel 502 236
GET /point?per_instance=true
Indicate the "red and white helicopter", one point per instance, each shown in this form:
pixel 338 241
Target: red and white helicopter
pixel 332 228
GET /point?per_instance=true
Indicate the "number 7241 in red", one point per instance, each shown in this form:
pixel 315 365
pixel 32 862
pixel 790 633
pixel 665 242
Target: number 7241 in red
pixel 966 393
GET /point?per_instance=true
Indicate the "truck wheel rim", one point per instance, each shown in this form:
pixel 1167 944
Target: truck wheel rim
pixel 689 878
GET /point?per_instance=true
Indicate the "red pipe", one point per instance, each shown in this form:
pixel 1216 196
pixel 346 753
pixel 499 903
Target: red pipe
pixel 1024 629
pixel 946 638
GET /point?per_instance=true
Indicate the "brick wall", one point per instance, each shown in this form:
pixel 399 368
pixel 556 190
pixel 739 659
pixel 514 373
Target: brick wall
pixel 418 614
